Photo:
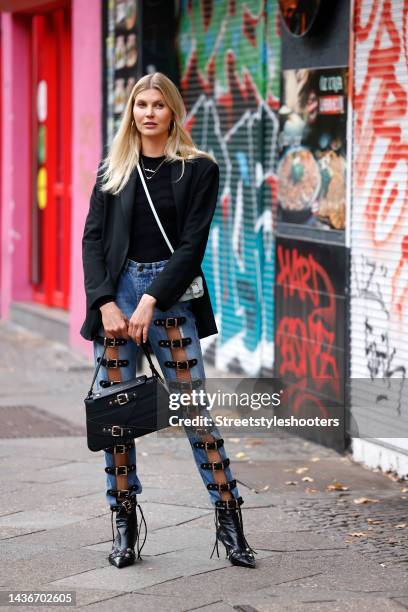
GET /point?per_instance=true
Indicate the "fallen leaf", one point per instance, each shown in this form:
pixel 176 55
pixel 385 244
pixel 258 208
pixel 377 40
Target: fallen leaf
pixel 291 482
pixel 336 486
pixel 240 455
pixel 372 521
pixel 311 490
pixel 365 500
pixel 265 488
pixel 401 526
pixel 357 534
pixel 302 470
pixel 315 459
pixel 307 479
pixel 404 490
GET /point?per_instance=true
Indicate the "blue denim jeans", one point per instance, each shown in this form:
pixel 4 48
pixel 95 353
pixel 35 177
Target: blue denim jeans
pixel 135 278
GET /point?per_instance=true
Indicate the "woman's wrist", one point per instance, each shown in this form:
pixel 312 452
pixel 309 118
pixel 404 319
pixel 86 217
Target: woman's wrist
pixel 107 306
pixel 149 298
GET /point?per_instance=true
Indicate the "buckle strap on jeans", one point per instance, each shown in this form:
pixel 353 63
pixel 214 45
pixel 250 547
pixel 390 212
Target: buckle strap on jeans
pixel 209 445
pixel 170 321
pixel 128 504
pixel 186 384
pixel 120 449
pixel 181 365
pixel 113 363
pixel 220 465
pixel 122 492
pixel 222 486
pixel 110 342
pixel 175 342
pixel 121 470
pixel 229 504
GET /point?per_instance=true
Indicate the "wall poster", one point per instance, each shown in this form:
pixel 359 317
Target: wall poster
pixel 120 60
pixel 312 149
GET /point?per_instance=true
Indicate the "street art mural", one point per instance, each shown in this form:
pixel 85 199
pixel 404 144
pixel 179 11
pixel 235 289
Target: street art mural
pixel 310 317
pixel 379 235
pixel 229 59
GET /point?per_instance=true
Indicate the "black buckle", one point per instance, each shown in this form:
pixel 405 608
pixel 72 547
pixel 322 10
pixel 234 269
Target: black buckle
pixel 115 429
pixel 222 486
pixel 175 342
pixel 209 445
pixel 181 365
pixel 215 465
pixel 122 398
pixel 112 342
pixel 123 449
pixel 121 470
pixel 189 385
pixel 230 504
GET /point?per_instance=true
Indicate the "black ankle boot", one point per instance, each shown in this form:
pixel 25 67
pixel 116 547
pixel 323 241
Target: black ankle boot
pixel 128 533
pixel 230 531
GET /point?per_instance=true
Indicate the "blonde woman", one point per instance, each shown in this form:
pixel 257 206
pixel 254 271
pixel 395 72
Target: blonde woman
pixel 133 284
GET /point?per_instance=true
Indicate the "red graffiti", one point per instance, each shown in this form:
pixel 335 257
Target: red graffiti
pixel 380 109
pixel 306 342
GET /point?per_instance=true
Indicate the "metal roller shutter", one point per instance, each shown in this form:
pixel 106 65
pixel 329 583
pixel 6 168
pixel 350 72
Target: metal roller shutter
pixel 379 223
pixel 229 58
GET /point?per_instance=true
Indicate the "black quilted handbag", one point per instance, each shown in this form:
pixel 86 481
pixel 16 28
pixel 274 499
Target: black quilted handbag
pixel 126 410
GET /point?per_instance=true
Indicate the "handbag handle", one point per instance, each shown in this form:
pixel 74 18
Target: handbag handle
pixel 149 359
pixel 149 199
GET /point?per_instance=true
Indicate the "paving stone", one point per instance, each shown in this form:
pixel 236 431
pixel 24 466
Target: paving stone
pixel 49 566
pixel 148 603
pixel 38 519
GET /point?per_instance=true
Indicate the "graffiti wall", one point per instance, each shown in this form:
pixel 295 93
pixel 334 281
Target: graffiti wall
pixel 229 59
pixel 379 224
pixel 310 329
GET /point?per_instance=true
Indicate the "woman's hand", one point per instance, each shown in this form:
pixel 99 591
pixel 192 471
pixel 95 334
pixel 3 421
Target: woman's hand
pixel 114 322
pixel 142 317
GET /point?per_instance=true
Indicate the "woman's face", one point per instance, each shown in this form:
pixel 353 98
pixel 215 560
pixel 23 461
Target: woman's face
pixel 151 113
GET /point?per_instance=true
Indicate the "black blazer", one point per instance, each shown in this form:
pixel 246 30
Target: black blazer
pixel 105 242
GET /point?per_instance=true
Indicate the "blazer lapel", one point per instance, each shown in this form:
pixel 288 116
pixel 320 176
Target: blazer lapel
pixel 127 197
pixel 180 188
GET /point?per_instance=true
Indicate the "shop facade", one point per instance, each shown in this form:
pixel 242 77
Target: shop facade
pixel 50 147
pixel 306 115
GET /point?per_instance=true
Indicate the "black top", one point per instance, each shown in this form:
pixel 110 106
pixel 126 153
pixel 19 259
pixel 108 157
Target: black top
pixel 146 240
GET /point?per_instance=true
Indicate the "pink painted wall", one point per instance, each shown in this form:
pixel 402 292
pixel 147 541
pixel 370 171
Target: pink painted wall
pixel 15 172
pixel 86 142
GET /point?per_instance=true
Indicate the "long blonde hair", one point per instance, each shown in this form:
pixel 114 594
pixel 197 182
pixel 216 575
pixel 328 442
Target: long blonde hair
pixel 123 154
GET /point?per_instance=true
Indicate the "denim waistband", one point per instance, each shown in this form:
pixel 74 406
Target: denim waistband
pixel 141 266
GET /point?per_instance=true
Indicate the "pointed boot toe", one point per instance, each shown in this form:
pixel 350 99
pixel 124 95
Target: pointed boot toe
pixel 122 558
pixel 243 559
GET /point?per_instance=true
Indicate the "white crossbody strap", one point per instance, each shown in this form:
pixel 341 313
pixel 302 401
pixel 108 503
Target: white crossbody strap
pixel 153 209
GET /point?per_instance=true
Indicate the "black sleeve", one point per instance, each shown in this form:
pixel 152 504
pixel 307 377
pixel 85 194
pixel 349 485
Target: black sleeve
pixel 186 260
pixel 98 281
pixel 102 300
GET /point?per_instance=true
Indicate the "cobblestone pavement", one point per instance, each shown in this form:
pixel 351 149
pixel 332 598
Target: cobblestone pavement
pixel 317 548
